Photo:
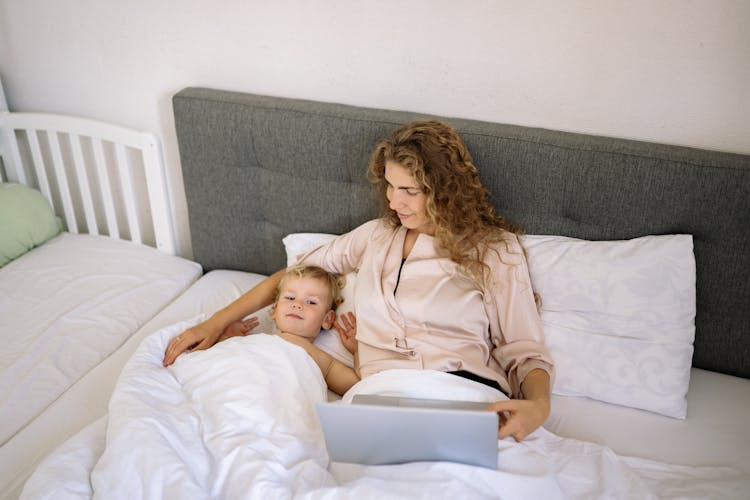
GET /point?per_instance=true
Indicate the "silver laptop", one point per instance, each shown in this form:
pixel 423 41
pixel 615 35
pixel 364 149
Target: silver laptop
pixel 378 430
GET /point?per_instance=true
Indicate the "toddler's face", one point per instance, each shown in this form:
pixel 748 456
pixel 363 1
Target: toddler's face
pixel 303 307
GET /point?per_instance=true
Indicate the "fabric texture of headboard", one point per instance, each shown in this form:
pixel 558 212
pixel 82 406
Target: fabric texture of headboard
pixel 257 168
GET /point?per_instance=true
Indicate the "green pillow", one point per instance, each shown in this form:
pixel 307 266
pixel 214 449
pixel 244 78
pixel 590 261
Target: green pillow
pixel 26 220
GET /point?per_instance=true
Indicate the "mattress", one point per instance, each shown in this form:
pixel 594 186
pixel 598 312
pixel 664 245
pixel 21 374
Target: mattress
pixel 712 434
pixel 64 308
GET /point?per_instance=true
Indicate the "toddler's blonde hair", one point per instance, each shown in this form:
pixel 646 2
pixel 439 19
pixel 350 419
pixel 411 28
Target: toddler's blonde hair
pixel 334 282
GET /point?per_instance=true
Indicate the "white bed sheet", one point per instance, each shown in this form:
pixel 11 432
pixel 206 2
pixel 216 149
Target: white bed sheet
pixel 66 306
pixel 716 431
pixel 626 431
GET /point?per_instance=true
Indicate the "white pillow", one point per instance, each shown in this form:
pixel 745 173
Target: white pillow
pixel 298 244
pixel 619 317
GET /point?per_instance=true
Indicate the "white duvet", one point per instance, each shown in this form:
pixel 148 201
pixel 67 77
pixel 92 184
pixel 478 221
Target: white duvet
pixel 66 306
pixel 238 421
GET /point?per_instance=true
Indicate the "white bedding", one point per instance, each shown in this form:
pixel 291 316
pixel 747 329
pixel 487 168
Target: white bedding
pixel 66 472
pixel 64 308
pixel 68 304
pixel 715 431
pixel 87 399
pixel 238 421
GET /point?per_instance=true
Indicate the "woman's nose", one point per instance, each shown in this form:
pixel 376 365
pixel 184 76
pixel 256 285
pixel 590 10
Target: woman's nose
pixel 394 202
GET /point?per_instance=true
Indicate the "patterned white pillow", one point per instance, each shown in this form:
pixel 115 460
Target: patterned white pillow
pixel 298 244
pixel 619 317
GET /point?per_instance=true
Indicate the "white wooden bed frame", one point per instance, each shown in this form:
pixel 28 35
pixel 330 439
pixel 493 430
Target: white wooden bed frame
pixel 53 153
pixel 102 179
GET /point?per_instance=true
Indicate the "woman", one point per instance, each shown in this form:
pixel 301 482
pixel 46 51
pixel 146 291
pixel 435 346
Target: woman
pixel 442 280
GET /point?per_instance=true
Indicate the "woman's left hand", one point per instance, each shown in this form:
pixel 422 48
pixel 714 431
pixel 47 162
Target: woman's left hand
pixel 520 417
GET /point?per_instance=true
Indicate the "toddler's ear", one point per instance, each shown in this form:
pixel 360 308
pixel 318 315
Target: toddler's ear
pixel 328 320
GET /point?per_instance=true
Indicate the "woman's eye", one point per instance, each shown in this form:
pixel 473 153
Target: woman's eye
pixel 412 192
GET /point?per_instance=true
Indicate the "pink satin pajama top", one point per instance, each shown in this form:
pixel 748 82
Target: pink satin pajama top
pixel 439 318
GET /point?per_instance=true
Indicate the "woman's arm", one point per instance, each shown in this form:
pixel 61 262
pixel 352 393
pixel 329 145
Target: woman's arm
pixel 339 377
pixel 521 417
pixel 518 340
pixel 206 334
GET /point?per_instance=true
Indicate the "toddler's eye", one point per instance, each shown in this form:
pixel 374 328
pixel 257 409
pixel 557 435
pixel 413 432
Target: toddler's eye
pixel 312 302
pixel 288 297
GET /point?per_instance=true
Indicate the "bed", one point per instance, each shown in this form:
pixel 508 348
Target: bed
pixel 88 257
pixel 637 250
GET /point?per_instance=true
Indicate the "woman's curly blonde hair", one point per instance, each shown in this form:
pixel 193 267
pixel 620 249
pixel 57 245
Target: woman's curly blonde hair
pixel 465 222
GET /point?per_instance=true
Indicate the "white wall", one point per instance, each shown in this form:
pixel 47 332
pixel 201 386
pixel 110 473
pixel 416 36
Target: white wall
pixel 670 71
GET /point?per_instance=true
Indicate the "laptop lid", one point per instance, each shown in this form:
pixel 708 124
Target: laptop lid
pixel 438 404
pixel 383 430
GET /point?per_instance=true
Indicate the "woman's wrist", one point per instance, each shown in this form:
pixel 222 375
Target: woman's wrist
pixel 536 389
pixel 543 406
pixel 536 386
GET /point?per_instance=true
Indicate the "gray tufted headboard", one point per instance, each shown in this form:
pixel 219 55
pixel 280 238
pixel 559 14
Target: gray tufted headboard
pixel 257 168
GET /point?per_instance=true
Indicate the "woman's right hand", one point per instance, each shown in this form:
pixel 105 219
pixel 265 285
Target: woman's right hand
pixel 199 337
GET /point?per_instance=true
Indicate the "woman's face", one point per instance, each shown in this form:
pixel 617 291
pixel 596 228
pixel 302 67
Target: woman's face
pixel 406 198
